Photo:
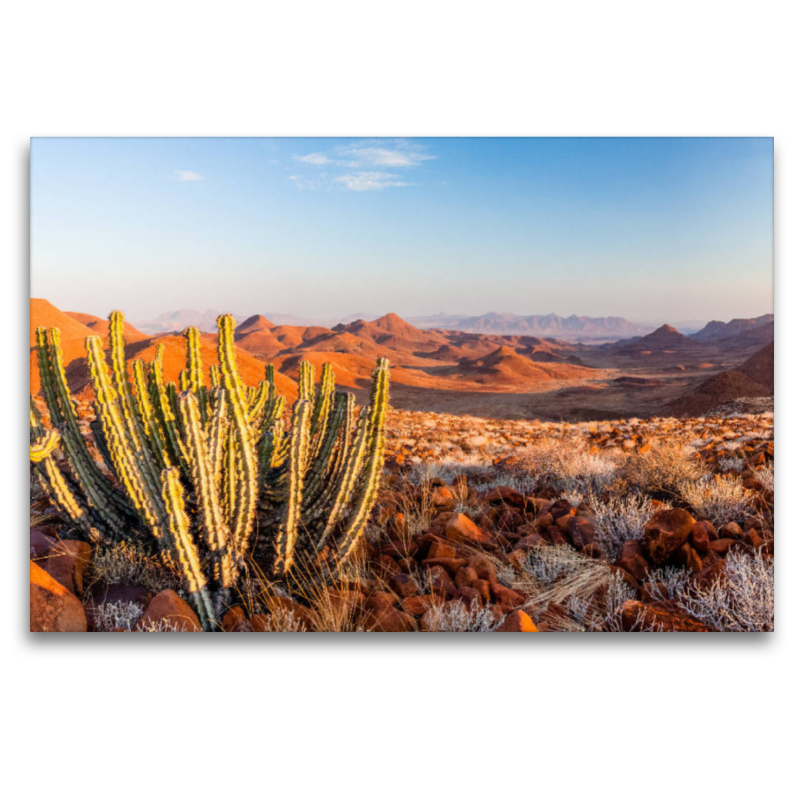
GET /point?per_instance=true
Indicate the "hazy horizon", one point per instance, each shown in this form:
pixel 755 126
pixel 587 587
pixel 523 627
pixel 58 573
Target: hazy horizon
pixel 671 230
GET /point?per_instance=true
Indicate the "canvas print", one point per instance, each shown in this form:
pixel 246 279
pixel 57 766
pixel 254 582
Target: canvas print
pixel 472 385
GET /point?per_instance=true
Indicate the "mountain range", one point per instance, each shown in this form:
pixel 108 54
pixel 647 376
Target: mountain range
pixel 484 374
pixel 572 328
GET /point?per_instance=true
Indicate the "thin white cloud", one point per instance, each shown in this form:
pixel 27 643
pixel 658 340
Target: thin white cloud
pixel 369 181
pixel 314 158
pixel 393 153
pixel 362 166
pixel 186 175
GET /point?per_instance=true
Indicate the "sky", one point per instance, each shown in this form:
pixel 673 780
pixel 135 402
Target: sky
pixel 655 230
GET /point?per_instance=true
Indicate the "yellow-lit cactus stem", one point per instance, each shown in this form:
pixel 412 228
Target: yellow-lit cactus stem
pixel 164 413
pixel 199 484
pixel 286 538
pixel 131 465
pixel 370 481
pixel 42 449
pixel 184 549
pixel 240 438
pixel 112 507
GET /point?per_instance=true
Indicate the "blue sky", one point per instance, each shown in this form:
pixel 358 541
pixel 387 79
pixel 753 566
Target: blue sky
pixel 656 230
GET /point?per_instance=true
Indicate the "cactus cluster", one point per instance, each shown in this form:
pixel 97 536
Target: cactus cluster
pixel 209 475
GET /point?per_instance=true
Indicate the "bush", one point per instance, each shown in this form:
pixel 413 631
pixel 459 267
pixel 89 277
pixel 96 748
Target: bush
pixel 720 499
pixel 741 599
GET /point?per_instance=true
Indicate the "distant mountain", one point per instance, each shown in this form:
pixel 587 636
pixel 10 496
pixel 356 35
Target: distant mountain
pixel 206 321
pixel 754 378
pixel 716 331
pixel 545 325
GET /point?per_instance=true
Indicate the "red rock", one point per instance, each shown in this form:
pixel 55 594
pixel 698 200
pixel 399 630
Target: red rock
pixel 753 538
pixel 465 576
pixel 67 561
pixel 689 557
pixel 41 541
pixel 234 620
pixel 731 531
pixel 636 616
pixel 389 620
pixel 469 596
pixel 462 529
pixel 168 607
pixel 721 546
pixel 518 622
pixel 451 565
pixel 543 521
pixel 709 573
pixel 593 550
pixel 531 541
pixel 665 532
pixel 580 531
pixel 418 605
pixel 441 583
pixel 484 590
pixel 381 600
pixel 699 537
pixel 402 585
pixel 443 498
pixel 634 564
pixel 53 607
pixel 441 549
pixel 484 568
pixel 508 598
pixel 300 612
pixel 399 548
pixel 504 495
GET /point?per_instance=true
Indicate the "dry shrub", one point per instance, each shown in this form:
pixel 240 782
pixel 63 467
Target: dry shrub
pixel 720 499
pixel 663 470
pixel 740 599
pixel 619 519
pixel 568 466
pixel 455 617
pixel 122 614
pixel 125 563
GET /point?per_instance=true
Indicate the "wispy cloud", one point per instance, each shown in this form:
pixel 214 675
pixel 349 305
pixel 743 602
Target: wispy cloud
pixel 186 175
pixel 370 181
pixel 361 165
pixel 394 153
pixel 314 158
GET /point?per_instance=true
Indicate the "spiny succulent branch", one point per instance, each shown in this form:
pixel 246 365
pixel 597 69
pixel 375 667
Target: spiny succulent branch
pixel 197 471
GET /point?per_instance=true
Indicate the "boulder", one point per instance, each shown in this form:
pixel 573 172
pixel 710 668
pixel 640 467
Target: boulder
pixel 461 529
pixel 484 568
pixel 41 541
pixel 67 561
pixel 234 620
pixel 418 605
pixel 636 616
pixel 665 532
pixel 389 620
pixel 53 607
pixel 169 609
pixel 504 495
pixel 518 622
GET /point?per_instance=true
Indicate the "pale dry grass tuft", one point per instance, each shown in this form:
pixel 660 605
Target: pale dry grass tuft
pixel 124 563
pixel 720 499
pixel 741 599
pixel 455 617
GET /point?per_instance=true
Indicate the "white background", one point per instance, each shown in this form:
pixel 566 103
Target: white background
pixel 393 716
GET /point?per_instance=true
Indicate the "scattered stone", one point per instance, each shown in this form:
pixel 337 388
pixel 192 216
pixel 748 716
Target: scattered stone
pixel 53 607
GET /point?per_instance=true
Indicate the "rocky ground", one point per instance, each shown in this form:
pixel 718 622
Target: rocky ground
pixel 486 525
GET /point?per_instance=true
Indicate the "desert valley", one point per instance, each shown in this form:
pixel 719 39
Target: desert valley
pixel 525 483
pixel 662 372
